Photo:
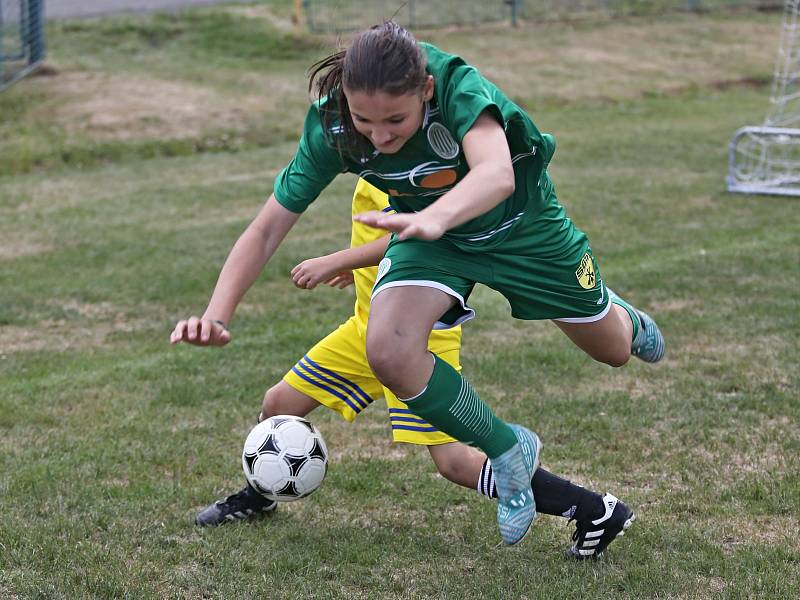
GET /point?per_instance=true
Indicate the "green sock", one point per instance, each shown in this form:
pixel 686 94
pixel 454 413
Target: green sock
pixel 450 404
pixel 634 317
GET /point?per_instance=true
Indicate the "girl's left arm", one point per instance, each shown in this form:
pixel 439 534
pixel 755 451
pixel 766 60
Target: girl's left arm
pixel 490 180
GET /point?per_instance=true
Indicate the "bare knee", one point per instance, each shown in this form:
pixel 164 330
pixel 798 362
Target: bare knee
pixel 377 357
pixel 283 399
pixel 388 356
pixel 275 403
pixel 614 352
pixel 607 340
pixel 616 355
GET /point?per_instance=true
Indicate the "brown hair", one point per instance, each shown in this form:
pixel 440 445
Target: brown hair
pixel 385 58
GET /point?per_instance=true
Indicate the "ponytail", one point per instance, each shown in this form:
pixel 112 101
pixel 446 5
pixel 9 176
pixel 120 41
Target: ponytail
pixel 327 75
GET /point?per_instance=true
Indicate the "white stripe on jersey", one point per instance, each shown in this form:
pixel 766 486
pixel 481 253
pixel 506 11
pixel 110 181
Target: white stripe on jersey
pixel 523 155
pixel 422 169
pixel 502 227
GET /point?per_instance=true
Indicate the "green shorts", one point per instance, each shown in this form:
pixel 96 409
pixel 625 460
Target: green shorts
pixel 543 277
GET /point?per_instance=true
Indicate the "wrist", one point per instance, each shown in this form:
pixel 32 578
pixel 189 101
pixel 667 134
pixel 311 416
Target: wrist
pixel 443 217
pixel 339 261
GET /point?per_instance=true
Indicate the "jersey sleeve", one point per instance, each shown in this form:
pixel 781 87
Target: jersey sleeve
pixel 315 164
pixel 465 95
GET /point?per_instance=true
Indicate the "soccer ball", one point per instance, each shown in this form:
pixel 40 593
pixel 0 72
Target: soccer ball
pixel 285 458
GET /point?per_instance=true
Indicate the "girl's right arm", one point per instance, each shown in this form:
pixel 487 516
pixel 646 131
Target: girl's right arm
pixel 249 255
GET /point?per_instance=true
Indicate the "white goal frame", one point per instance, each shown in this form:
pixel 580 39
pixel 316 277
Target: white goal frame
pixel 765 159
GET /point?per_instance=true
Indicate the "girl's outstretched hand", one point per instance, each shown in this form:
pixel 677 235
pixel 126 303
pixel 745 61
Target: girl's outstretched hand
pixel 405 225
pixel 200 332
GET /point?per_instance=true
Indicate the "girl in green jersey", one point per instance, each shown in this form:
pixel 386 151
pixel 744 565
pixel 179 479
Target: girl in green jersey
pixel 466 170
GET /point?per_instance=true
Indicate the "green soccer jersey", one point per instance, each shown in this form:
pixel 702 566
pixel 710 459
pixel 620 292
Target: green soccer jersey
pixel 432 161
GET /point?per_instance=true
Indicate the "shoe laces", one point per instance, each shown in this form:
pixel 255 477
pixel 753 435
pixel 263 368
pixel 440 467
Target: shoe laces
pixel 243 499
pixel 581 529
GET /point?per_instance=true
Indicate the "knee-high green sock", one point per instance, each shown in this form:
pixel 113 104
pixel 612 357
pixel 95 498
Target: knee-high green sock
pixel 634 317
pixel 450 404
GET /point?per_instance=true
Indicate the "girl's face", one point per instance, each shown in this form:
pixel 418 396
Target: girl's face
pixel 386 120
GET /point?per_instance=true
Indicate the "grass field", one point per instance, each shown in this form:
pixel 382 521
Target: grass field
pixel 130 165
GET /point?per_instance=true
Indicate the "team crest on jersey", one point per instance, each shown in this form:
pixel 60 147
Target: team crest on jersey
pixel 585 272
pixel 442 141
pixel 383 268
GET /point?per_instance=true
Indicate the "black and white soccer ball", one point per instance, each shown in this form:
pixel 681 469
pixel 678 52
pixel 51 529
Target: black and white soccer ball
pixel 285 458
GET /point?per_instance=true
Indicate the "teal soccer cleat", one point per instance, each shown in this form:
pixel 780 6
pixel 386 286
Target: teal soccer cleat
pixel 649 344
pixel 513 470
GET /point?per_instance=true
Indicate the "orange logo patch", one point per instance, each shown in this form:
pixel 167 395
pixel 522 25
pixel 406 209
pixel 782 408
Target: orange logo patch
pixel 439 179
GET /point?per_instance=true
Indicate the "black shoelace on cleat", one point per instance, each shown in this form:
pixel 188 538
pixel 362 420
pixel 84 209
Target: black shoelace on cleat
pixel 579 529
pixel 243 500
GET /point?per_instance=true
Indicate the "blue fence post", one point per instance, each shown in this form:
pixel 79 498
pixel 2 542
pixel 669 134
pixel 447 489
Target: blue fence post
pixel 35 31
pixel 1 39
pixel 30 52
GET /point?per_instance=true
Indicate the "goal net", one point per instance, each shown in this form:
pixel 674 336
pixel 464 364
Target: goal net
pixel 22 46
pixel 765 159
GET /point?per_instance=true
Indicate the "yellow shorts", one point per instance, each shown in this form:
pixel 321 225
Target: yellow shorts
pixel 336 374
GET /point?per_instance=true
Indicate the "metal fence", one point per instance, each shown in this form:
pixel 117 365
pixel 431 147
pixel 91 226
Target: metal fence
pixel 559 9
pixel 333 16
pixel 22 42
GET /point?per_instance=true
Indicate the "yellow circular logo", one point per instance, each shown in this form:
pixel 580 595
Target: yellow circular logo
pixel 585 272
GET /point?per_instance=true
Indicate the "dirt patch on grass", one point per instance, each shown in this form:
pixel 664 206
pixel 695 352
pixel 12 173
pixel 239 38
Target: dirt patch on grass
pixel 620 60
pixel 713 586
pixel 674 305
pixel 97 322
pixel 265 13
pixel 735 465
pixel 739 357
pixel 770 530
pixel 736 454
pixel 51 335
pixel 11 248
pixel 111 107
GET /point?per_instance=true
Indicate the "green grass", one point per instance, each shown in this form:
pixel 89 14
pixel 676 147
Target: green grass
pixel 111 440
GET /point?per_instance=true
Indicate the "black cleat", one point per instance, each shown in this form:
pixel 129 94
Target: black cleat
pixel 244 504
pixel 592 537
